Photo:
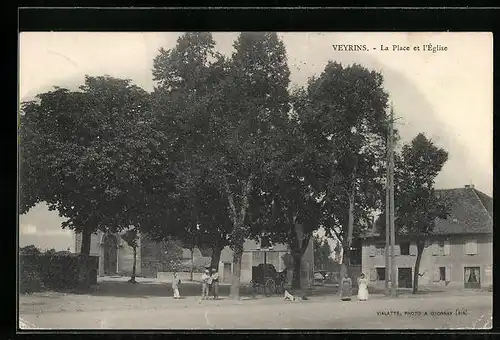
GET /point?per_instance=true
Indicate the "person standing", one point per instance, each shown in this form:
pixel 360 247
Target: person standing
pixel 175 285
pixel 215 283
pixel 345 294
pixel 362 288
pixel 205 284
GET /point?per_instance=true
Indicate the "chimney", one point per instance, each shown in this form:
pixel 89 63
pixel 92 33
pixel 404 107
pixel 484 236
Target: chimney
pixel 469 186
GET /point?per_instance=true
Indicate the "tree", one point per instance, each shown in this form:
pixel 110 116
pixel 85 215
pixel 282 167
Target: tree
pixel 342 117
pixel 186 78
pixel 256 97
pixel 131 237
pixel 416 205
pixel 220 115
pixel 171 254
pixel 322 252
pixel 29 250
pixel 86 154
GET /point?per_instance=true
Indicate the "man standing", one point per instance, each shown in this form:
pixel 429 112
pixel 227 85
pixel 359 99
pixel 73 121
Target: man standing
pixel 205 284
pixel 215 283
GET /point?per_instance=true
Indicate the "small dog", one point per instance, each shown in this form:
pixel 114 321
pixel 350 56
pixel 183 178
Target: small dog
pixel 288 296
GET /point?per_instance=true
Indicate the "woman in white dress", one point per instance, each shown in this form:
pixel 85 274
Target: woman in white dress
pixel 362 288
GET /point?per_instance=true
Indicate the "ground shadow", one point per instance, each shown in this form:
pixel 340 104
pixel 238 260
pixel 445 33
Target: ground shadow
pixel 190 289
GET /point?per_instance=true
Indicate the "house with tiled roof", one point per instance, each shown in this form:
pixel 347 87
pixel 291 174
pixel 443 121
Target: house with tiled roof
pixel 458 253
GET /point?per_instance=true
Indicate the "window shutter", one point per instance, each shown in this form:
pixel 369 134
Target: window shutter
pixel 373 274
pixel 435 248
pixel 397 250
pixel 372 250
pixel 436 274
pixel 448 273
pixel 447 248
pixel 413 249
pixel 473 247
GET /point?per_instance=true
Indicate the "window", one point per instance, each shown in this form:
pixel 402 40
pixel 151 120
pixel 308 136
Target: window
pixel 257 257
pixel 438 248
pixel 447 247
pixel 371 250
pixel 472 277
pixel 441 247
pixel 265 242
pixel 405 248
pixel 381 273
pixel 380 249
pixel 442 273
pixel 471 247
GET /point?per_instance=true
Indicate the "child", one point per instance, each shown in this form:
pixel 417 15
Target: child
pixel 175 285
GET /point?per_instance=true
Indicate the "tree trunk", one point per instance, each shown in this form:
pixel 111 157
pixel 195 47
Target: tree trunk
pixel 86 239
pixel 420 250
pixel 238 233
pixel 297 266
pixel 299 244
pixel 346 247
pixel 343 266
pixel 132 279
pixel 235 281
pixel 84 270
pixel 216 251
pixel 192 265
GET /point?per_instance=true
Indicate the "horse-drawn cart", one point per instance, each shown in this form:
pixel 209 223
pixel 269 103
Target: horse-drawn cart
pixel 266 279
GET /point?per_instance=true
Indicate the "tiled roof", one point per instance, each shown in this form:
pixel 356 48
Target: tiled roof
pixel 471 212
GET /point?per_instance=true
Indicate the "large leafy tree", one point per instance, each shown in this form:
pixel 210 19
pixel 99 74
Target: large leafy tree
pixel 187 77
pixel 85 153
pixel 254 114
pixel 416 205
pixel 342 116
pixel 221 116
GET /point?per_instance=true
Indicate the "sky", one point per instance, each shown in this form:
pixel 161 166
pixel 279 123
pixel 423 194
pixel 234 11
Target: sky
pixel 448 94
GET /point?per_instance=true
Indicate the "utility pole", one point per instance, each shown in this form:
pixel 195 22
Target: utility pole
pixel 387 220
pixel 391 205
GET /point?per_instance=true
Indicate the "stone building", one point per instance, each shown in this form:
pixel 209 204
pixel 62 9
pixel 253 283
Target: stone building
pixel 458 254
pixel 116 257
pixel 253 255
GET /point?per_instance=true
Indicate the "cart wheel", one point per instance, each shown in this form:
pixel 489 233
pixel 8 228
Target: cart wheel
pixel 270 287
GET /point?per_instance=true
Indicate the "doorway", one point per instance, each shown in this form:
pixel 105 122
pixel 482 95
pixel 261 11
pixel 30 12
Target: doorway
pixel 227 273
pixel 472 277
pixel 404 278
pixel 110 245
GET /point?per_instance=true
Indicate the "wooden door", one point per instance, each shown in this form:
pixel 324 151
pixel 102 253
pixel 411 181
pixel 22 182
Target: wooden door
pixel 404 278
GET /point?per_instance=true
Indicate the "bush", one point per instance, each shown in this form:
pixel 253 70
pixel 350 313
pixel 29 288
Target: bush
pixel 56 271
pixel 30 282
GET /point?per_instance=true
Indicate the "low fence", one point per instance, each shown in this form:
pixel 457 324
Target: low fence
pixel 55 272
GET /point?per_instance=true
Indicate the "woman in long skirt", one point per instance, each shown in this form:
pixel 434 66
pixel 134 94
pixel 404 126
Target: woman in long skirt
pixel 362 288
pixel 345 294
